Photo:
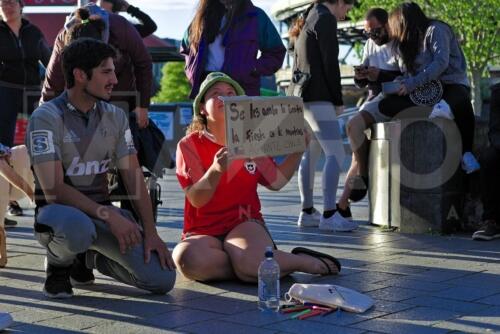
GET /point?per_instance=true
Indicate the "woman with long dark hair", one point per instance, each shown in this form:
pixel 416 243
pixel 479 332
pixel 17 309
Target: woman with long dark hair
pixel 429 52
pixel 226 36
pixel 317 80
pixel 22 49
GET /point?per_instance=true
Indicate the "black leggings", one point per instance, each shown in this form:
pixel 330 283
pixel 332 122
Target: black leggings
pixel 457 96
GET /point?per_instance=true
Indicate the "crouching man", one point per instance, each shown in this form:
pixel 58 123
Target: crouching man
pixel 73 141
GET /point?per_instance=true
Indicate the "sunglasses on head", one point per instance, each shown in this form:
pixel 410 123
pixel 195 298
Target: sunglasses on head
pixel 373 33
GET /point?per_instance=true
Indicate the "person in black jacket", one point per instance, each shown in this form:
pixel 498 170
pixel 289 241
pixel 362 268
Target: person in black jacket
pixel 490 178
pixel 22 48
pixel 146 25
pixel 317 80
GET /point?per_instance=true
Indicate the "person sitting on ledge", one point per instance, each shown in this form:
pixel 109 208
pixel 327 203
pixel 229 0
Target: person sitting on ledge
pixel 490 178
pixel 429 52
pixel 224 235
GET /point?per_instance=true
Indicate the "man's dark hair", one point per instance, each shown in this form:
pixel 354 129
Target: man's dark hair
pixel 379 14
pixel 84 54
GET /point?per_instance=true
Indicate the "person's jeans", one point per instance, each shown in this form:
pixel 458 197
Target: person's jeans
pixel 66 231
pixel 490 183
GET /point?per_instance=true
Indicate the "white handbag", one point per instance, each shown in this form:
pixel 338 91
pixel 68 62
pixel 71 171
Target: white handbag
pixel 330 295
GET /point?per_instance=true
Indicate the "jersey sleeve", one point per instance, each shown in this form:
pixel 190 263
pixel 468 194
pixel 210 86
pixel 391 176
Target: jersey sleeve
pixel 189 168
pixel 43 138
pixel 268 171
pixel 125 143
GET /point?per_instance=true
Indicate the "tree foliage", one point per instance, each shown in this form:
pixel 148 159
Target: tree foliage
pixel 476 24
pixel 174 84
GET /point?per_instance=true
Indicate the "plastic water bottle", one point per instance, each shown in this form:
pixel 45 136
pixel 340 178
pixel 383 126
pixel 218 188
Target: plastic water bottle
pixel 269 283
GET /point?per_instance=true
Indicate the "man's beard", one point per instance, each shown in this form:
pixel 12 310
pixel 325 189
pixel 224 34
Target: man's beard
pixel 98 98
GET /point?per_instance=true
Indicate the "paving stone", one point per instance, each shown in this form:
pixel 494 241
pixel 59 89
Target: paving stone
pixel 127 328
pixel 218 304
pixel 465 293
pixel 256 318
pixel 447 304
pixel 179 318
pixel 491 300
pixel 421 316
pixel 409 283
pixel 485 321
pixel 73 322
pixel 343 318
pixel 222 327
pixel 309 326
pixel 393 326
pixel 395 294
pixel 38 329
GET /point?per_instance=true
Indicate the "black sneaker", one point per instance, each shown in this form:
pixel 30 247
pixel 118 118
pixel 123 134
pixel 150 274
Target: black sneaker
pixel 14 209
pixel 80 274
pixel 9 223
pixel 57 284
pixel 346 213
pixel 489 231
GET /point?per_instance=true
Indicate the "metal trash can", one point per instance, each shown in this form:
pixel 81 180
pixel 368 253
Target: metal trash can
pixel 416 183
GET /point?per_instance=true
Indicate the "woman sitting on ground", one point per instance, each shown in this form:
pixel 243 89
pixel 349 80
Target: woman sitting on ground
pixel 16 182
pixel 224 234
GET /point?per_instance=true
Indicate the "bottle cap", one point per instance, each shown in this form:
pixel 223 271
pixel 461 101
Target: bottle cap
pixel 269 252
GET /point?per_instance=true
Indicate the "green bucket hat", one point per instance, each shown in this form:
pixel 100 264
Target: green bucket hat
pixel 211 80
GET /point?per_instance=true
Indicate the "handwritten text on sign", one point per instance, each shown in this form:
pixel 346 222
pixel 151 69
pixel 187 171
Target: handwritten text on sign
pixel 264 126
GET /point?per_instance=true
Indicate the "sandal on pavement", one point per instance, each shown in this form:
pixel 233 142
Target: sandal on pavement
pixel 320 256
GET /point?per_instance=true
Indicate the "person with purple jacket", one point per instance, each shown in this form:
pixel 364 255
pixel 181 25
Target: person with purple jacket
pixel 133 66
pixel 226 36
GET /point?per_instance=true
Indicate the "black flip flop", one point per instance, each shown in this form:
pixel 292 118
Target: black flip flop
pixel 320 256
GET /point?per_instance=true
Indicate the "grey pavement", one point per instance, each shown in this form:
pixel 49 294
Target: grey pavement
pixel 420 283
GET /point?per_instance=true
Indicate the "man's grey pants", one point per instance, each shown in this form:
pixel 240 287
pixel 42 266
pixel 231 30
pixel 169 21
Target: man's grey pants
pixel 66 231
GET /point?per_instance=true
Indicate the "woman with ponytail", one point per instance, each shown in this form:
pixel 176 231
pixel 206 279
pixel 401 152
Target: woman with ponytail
pixel 226 36
pixel 316 78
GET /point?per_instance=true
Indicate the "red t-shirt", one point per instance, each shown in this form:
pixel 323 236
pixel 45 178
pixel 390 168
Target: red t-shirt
pixel 235 200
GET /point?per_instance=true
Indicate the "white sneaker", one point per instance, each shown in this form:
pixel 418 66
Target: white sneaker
pixel 5 320
pixel 337 223
pixel 469 163
pixel 309 220
pixel 442 110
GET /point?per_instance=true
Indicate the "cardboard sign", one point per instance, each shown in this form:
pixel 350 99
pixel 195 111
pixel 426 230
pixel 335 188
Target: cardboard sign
pixel 264 126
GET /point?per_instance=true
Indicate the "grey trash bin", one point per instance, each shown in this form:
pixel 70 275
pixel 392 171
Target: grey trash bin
pixel 415 180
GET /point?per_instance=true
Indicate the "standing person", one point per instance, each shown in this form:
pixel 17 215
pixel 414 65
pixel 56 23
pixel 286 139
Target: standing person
pixel 73 140
pixel 317 80
pixel 379 64
pixel 429 50
pixel 146 25
pixel 224 235
pixel 490 178
pixel 16 182
pixel 22 48
pixel 133 66
pixel 226 36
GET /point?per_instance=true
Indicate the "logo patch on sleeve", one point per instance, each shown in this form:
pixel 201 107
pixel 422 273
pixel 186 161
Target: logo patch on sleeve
pixel 42 142
pixel 129 140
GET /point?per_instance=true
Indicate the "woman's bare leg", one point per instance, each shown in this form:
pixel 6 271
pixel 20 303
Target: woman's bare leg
pixel 359 145
pixel 202 258
pixel 246 245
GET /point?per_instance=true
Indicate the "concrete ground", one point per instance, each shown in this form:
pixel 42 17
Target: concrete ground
pixel 420 283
